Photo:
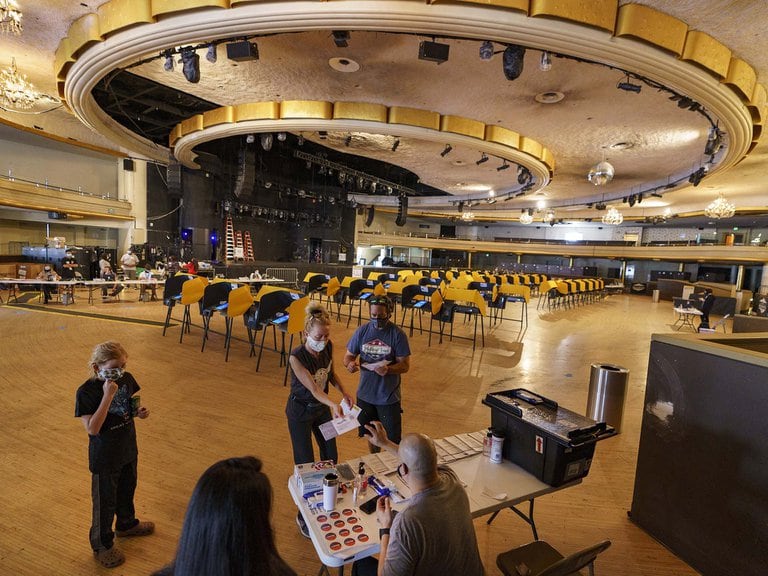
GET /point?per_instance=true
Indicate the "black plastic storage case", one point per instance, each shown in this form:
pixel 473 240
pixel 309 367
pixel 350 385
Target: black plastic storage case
pixel 552 443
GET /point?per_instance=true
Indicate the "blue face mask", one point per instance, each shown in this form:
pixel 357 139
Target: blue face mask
pixel 113 374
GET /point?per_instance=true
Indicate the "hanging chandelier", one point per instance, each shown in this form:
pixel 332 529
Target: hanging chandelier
pixel 720 208
pixel 601 173
pixel 15 90
pixel 526 217
pixel 10 17
pixel 613 217
pixel 549 216
pixel 467 215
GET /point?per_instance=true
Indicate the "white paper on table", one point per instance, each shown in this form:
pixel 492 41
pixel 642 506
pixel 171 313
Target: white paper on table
pixel 342 425
pixel 373 365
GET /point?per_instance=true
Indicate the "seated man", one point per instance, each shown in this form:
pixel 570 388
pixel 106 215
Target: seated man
pixel 151 283
pixel 48 274
pixel 110 281
pixel 434 534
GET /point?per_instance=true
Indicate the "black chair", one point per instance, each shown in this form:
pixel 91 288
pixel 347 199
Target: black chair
pixel 172 295
pixel 214 300
pixel 359 290
pixel 316 284
pixel 270 307
pixel 415 297
pixel 442 311
pixel 540 559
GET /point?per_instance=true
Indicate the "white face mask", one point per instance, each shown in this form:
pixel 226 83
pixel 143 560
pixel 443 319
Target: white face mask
pixel 316 345
pixel 113 374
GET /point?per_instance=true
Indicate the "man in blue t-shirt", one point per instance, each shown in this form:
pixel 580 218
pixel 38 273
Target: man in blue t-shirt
pixel 384 355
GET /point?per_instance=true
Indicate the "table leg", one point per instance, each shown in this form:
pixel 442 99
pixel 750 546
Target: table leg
pixel 528 519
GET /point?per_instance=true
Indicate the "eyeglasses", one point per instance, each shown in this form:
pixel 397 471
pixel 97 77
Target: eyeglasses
pixel 400 473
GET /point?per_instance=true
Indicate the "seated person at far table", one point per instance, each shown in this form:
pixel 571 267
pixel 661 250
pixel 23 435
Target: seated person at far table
pixel 48 274
pixel 434 534
pixel 151 283
pixel 110 281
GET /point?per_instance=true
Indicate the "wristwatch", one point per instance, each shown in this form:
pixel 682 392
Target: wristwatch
pixel 382 532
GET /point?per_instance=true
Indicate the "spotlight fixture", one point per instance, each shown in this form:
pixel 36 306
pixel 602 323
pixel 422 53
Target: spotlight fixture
pixel 491 201
pixel 211 54
pixel 656 195
pixel 190 64
pixel 631 200
pixel 549 217
pixel 433 51
pixel 250 139
pixel 504 166
pixel 281 136
pixel 639 197
pixel 714 142
pixel 446 150
pixel 395 144
pixel 340 38
pixel 168 65
pixel 348 141
pixel 627 86
pixel 300 140
pixel 242 51
pixel 696 177
pixel 486 50
pixel 524 176
pixel 601 173
pixel 600 206
pixel 720 208
pixel 483 158
pixel 513 60
pixel 266 141
pixel 545 64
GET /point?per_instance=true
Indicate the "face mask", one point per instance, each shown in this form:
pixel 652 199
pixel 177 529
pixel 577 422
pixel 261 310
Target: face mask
pixel 381 323
pixel 316 345
pixel 47 269
pixel 113 374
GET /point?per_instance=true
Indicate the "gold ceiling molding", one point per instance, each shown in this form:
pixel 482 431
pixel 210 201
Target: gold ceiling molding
pixel 362 111
pixel 633 21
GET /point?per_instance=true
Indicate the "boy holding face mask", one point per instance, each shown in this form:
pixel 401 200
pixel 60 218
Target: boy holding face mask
pixel 107 406
pixel 384 355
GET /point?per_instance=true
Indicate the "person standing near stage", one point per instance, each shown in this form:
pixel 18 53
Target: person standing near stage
pixel 129 262
pixel 383 351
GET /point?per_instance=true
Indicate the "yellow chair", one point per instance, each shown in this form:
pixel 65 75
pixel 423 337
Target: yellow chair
pixel 332 292
pixel 172 294
pixel 292 326
pixel 191 293
pixel 239 302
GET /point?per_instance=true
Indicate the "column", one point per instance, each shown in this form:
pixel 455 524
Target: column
pixel 132 187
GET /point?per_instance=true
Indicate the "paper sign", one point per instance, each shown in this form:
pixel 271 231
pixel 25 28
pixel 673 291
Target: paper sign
pixel 339 426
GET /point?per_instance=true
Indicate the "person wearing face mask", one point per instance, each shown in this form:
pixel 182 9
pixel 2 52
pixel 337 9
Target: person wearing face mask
pixel 107 406
pixel 48 274
pixel 384 353
pixel 309 404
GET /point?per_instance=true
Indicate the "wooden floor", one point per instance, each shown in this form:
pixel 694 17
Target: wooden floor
pixel 204 409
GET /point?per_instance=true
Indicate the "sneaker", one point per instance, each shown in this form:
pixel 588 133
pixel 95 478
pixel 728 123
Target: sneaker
pixel 303 528
pixel 141 529
pixel 110 558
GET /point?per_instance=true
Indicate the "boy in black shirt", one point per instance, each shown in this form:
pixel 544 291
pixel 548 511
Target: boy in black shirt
pixel 107 406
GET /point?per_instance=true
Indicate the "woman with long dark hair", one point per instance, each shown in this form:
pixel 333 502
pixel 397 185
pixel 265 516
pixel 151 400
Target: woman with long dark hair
pixel 227 529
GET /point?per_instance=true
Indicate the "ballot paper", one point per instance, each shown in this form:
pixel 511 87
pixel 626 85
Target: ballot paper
pixel 346 423
pixel 373 365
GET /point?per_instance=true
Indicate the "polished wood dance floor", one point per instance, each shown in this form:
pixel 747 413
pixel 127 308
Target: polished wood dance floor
pixel 204 409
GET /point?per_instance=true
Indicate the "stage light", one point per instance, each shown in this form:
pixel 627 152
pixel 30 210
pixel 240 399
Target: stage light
pixel 714 142
pixel 266 141
pixel 627 86
pixel 513 60
pixel 545 64
pixel 446 150
pixel 168 65
pixel 483 158
pixel 190 65
pixel 340 38
pixel 504 166
pixel 433 51
pixel 486 50
pixel 281 136
pixel 395 144
pixel 211 54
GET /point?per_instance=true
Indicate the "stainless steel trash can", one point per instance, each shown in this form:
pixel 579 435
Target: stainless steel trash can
pixel 607 391
pixel 655 295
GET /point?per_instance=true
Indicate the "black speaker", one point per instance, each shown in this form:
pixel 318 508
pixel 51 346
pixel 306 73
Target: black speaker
pixel 128 165
pixel 242 51
pixel 246 172
pixel 369 217
pixel 433 51
pixel 173 176
pixel 402 211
